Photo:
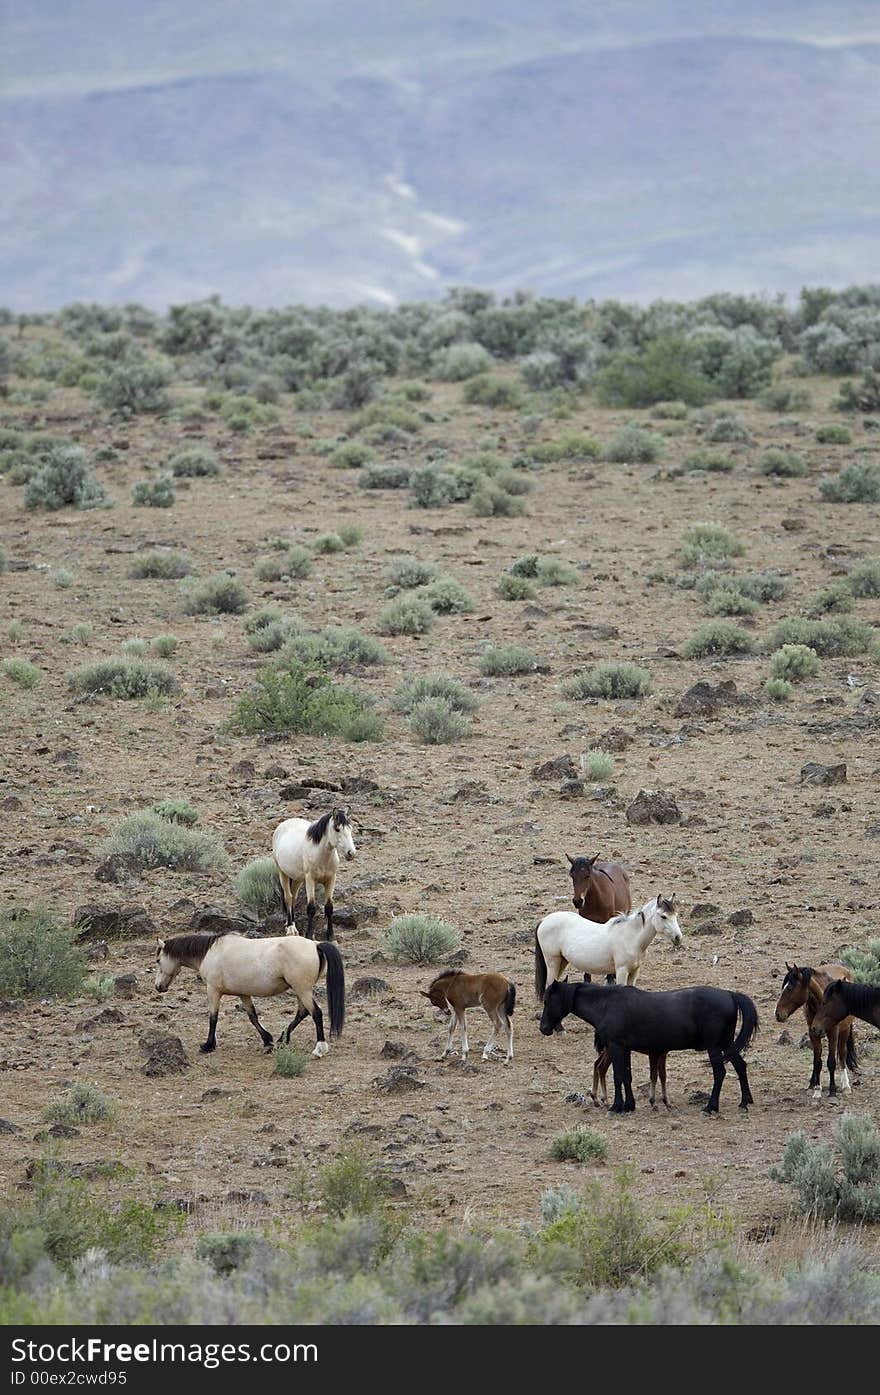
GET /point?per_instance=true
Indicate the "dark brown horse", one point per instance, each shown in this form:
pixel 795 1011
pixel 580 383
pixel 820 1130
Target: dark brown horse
pixel 842 1000
pixel 599 889
pixel 805 988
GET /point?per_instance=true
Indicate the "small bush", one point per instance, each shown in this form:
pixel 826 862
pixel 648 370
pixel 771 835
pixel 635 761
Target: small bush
pixel 784 397
pixel 257 886
pixel 718 637
pixel 81 1104
pixel 762 586
pixel 335 647
pixel 123 678
pixel 63 579
pixel 785 464
pixel 82 632
pixel 833 600
pixel 134 648
pixel 860 397
pixel 597 765
pixel 612 681
pixel 436 722
pixel 571 445
pixel 838 638
pixel 671 411
pixel 487 391
pixel 634 445
pixel 420 939
pixel 176 811
pixel 865 963
pixel 864 579
pixel 581 1145
pixel 385 477
pixel 779 689
pixel 409 572
pixel 64 480
pixel 408 615
pixel 492 500
pixel 293 562
pixel 413 691
pixel 196 462
pixel 507 661
pixel 161 566
pixel 853 1194
pixel 299 700
pixel 327 542
pixel 514 588
pixel 834 435
pixel 352 455
pixel 728 429
pixel 706 543
pixel 165 645
pixel 100 987
pixel 859 483
pixel 154 842
pixel 38 956
pixel 458 362
pixel 137 386
pixel 289 1060
pixel 435 487
pixel 447 597
pixel 351 1185
pixel 21 672
pixel 227 1252
pixel 794 662
pixel 552 571
pixel 714 462
pixel 350 534
pixel 729 600
pixel 222 594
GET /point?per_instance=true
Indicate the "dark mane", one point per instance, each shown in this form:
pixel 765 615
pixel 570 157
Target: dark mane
pixel 860 996
pixel 316 830
pixel 192 946
pixel 447 973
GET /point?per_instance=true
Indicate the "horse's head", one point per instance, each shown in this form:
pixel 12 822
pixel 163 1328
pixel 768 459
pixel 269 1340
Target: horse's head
pixel 581 870
pixel 832 1009
pixel 794 991
pixel 665 918
pixel 554 1008
pixel 339 834
pixel 167 968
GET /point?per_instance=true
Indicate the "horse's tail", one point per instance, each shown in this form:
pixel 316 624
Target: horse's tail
pixel 540 969
pixel 329 956
pixel 852 1056
pixel 749 1015
pixel 510 1000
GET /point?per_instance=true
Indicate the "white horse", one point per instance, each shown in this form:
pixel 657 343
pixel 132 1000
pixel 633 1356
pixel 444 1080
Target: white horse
pixel 617 947
pixel 311 853
pixel 248 969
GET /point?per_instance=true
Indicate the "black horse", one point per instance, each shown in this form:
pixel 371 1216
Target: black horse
pixel 687 1019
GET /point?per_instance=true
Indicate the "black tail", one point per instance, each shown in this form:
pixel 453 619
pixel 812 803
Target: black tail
pixel 852 1057
pixel 540 969
pixel 330 956
pixel 510 1000
pixel 749 1014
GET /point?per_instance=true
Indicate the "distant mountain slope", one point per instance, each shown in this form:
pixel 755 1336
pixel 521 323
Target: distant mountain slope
pixel 664 168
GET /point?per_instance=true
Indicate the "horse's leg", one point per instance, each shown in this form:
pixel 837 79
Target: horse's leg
pixel 833 1033
pixel 213 1014
pixel 816 1078
pixel 621 1066
pixel 600 1077
pixel 328 904
pixel 248 1005
pixel 307 1001
pixel 461 1013
pixel 661 1067
pixel 292 1026
pixel 451 1024
pixel 716 1059
pixel 745 1094
pixel 843 1036
pixel 287 896
pixel 654 1064
pixel 496 1027
pixel 509 1023
pixel 311 906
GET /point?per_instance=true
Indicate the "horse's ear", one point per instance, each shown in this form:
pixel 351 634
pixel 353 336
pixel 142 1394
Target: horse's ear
pixel 570 860
pixel 423 993
pixel 594 858
pixel 160 942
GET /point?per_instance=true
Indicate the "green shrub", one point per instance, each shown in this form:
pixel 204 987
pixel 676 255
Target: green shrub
pixel 864 962
pixel 706 543
pixel 457 362
pixel 387 414
pixel 838 638
pixel 123 678
pixel 671 411
pixel 327 542
pixel 492 500
pixel 38 956
pixel 385 477
pixel 762 586
pixel 612 681
pixel 137 386
pixel 634 445
pixel 853 1194
pixel 409 572
pixel 352 455
pixel 222 594
pixel 779 689
pixel 335 647
pixel 487 391
pixel 299 700
pixel 134 648
pixel 100 987
pixel 176 811
pixel 82 632
pixel 526 565
pixel 351 1185
pixel 860 397
pixel 294 562
pixel 514 588
pixel 289 1060
pixel 665 369
pixel 350 534
pixel 447 597
pixel 155 842
pixel 786 464
pixel 834 435
pixel 864 579
pixel 859 483
pixel 507 661
pixel 836 599
pixel 784 397
pixel 63 579
pixel 413 691
pixel 408 615
pixel 794 662
pixel 64 480
pixel 195 462
pixel 436 722
pixel 728 428
pixel 21 672
pixel 227 1251
pixel 718 637
pixel 165 645
pixel 597 765
pixel 81 1104
pixel 571 445
pixel 714 462
pixel 420 939
pixel 161 566
pixel 257 886
pixel 730 600
pixel 581 1145
pixel 552 571
pixel 434 487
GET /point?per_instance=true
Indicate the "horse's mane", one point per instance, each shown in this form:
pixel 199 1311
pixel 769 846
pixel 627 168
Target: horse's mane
pixel 859 995
pixel 447 973
pixel 316 830
pixel 194 946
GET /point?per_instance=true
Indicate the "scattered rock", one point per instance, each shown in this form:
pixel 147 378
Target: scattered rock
pixel 703 909
pixel 216 1092
pixel 212 920
pixel 345 918
pixel 98 950
pixel 368 988
pixel 784 1038
pixel 572 789
pixel 399 1080
pixel 11 804
pixel 815 774
pixel 7 1127
pixel 59 1131
pixel 245 768
pixel 125 985
pixel 291 793
pixel 395 1188
pixel 359 784
pixel 702 700
pixel 653 806
pixel 275 772
pixel 96 922
pixel 86 1171
pixel 118 867
pixel 706 927
pixel 614 739
pixel 575 1097
pixel 108 1017
pixel 561 768
pixel 741 918
pixel 164 1054
pixel 395 1051
pixel 256 1198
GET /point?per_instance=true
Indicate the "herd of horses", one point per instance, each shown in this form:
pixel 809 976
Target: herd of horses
pixel 603 936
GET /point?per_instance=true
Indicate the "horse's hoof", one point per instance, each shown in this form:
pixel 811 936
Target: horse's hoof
pixel 321 1049
pixel 206 1047
pixel 707 1110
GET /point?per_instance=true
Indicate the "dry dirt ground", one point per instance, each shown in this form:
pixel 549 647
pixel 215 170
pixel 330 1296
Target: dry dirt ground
pixel 463 831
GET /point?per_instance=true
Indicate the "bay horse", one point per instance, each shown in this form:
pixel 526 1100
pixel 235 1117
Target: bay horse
pixel 599 889
pixel 454 992
pixel 311 853
pixel 841 1000
pixel 617 947
pixel 685 1019
pixel 804 987
pixel 231 964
